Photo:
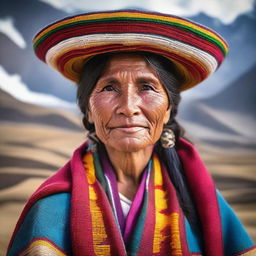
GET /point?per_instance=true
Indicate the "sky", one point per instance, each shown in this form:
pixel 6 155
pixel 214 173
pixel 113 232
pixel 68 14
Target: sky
pixel 223 11
pixel 13 85
pixel 8 28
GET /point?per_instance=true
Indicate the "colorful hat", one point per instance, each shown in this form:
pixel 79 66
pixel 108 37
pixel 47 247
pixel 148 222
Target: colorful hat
pixel 67 44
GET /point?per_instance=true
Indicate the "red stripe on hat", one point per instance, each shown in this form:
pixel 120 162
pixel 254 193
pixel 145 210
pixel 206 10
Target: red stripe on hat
pixel 135 27
pixel 198 72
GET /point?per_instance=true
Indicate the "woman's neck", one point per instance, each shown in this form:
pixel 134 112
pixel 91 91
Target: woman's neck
pixel 128 168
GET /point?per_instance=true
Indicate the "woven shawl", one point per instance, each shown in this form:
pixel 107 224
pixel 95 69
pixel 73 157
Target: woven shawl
pixel 160 228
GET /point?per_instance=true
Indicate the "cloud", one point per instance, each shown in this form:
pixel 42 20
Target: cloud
pixel 13 85
pixel 7 27
pixel 224 10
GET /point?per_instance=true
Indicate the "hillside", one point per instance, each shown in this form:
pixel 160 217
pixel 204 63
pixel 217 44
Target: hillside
pixel 226 119
pixel 12 110
pixel 239 96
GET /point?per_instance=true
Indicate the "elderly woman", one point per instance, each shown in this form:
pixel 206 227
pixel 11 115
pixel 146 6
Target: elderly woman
pixel 136 187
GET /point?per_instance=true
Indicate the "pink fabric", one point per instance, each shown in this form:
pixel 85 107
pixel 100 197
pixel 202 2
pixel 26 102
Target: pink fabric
pixel 107 168
pixel 135 208
pixel 71 178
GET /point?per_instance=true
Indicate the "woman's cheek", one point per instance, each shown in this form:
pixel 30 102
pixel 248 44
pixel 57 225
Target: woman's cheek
pixel 99 107
pixel 101 114
pixel 156 108
pixel 156 118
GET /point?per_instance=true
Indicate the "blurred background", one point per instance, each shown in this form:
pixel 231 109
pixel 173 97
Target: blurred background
pixel 40 124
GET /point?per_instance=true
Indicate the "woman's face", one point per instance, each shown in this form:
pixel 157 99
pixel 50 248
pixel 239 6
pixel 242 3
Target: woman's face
pixel 128 105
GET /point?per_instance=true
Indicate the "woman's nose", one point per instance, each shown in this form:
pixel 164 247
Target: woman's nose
pixel 129 103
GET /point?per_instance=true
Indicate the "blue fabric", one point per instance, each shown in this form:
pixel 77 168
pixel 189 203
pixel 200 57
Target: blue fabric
pixel 48 218
pixel 235 237
pixel 194 244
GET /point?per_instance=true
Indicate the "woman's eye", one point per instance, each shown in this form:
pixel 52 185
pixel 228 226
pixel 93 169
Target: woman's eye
pixel 108 88
pixel 147 87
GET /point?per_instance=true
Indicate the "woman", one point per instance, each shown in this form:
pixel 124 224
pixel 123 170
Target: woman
pixel 136 187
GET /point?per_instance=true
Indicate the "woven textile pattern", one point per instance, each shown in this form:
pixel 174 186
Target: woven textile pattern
pixel 67 44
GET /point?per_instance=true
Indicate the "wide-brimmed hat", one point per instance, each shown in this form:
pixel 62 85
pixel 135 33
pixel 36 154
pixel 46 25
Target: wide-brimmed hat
pixel 66 45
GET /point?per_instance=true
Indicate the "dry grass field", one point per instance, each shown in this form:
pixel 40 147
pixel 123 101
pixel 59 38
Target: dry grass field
pixel 30 153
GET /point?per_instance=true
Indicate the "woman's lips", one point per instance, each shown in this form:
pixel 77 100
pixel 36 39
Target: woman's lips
pixel 129 129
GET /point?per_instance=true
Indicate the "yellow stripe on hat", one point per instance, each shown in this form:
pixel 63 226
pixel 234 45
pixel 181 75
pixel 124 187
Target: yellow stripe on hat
pixel 118 14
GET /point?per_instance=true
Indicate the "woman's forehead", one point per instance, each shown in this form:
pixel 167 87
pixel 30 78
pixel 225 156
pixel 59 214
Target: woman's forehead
pixel 128 62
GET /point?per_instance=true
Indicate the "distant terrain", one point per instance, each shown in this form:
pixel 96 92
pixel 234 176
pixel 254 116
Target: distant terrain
pixel 35 142
pixel 227 119
pixel 219 115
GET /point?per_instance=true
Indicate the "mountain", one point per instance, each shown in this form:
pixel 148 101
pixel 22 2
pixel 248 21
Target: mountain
pixel 29 17
pixel 219 113
pixel 227 118
pixel 241 57
pixel 12 110
pixel 239 96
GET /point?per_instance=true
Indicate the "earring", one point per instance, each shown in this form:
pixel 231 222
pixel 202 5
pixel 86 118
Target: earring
pixel 167 138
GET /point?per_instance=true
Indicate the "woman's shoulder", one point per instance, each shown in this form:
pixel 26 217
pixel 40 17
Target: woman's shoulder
pixel 46 224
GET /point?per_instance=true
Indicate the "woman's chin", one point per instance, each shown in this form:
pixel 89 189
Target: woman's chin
pixel 129 144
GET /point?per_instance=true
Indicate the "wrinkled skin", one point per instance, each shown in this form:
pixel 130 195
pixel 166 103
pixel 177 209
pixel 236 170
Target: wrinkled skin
pixel 128 105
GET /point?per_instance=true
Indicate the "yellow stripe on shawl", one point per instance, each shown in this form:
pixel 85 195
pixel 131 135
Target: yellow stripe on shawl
pixel 164 220
pixel 41 247
pixel 250 253
pixel 98 226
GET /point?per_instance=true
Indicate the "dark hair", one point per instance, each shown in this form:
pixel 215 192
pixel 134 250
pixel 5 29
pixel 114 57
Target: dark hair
pixel 170 78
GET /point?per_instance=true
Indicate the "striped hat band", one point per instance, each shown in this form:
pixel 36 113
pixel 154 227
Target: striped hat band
pixel 67 44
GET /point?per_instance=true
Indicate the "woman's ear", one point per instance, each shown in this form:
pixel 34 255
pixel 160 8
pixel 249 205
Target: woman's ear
pixel 167 115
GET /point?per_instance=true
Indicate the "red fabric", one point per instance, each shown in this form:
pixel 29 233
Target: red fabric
pixel 59 182
pixel 135 11
pixel 195 68
pixel 204 194
pixel 71 178
pixel 185 250
pixel 168 31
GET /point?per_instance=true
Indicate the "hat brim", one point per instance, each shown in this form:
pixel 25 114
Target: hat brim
pixel 66 45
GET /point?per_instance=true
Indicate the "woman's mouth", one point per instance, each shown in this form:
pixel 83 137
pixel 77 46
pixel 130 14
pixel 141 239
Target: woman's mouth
pixel 129 128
